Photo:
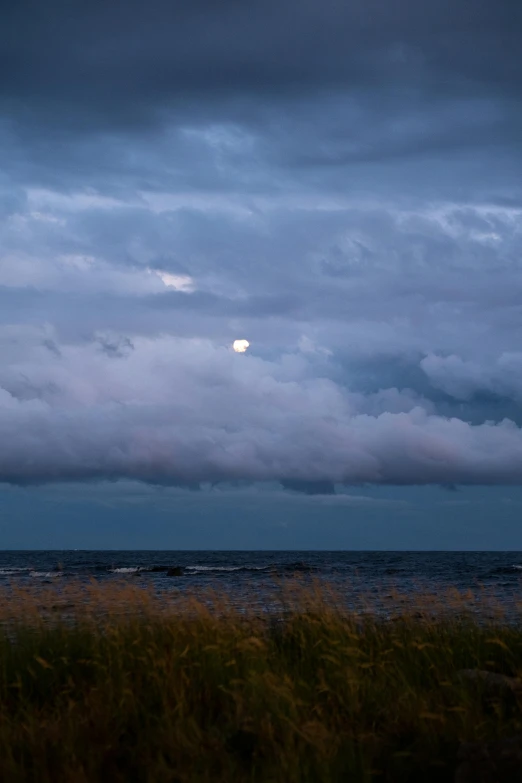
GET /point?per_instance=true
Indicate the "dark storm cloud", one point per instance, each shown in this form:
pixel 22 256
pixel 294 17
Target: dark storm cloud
pixel 324 83
pixel 114 59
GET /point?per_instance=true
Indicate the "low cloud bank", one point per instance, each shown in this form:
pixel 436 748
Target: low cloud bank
pixel 180 410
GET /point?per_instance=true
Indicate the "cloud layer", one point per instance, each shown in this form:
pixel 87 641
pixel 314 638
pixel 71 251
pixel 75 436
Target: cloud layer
pixel 337 183
pixel 184 410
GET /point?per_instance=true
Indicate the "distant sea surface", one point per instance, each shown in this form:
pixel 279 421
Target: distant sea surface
pixel 249 574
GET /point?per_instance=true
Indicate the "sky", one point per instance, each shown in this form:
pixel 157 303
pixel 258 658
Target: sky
pixel 339 183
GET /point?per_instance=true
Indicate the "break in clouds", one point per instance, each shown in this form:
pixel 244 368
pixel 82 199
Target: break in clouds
pixel 339 184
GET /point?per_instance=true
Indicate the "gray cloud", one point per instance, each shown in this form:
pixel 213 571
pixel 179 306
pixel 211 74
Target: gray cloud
pixel 186 411
pixel 464 379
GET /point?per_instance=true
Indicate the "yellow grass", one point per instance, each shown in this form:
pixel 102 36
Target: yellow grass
pixel 113 684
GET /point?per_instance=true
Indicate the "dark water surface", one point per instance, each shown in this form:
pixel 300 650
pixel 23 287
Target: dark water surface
pixel 247 575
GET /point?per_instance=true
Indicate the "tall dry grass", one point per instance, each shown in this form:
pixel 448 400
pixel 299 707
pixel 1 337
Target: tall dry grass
pixel 112 684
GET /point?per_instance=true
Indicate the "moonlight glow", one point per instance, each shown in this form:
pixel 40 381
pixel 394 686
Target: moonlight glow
pixel 240 346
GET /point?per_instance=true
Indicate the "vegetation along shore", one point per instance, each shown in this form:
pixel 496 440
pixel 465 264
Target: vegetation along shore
pixel 119 685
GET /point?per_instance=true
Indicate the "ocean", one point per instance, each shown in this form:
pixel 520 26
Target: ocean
pixel 248 576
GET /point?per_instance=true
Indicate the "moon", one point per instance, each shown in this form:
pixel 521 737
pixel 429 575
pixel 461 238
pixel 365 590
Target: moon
pixel 240 346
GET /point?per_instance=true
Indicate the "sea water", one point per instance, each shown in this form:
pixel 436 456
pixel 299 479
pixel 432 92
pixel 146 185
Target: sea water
pixel 248 576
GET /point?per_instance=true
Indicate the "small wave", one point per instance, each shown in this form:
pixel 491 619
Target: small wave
pixel 12 571
pixel 46 574
pixel 155 569
pixel 227 568
pixel 274 567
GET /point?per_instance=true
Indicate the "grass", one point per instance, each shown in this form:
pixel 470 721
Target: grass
pixel 113 685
